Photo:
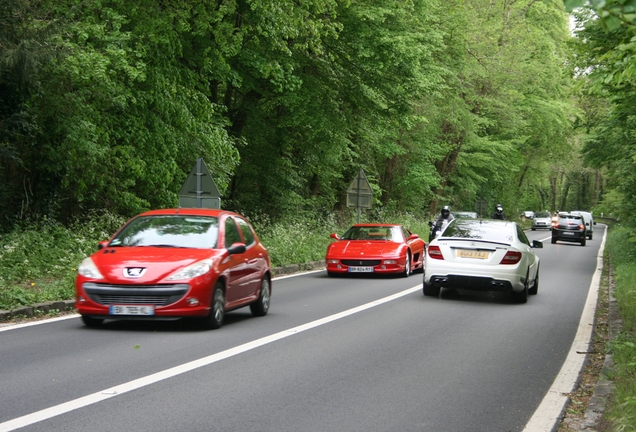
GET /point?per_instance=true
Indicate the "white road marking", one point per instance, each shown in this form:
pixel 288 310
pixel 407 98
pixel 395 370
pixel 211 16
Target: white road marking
pixel 109 393
pixel 298 274
pixel 10 326
pixel 551 408
pixel 33 323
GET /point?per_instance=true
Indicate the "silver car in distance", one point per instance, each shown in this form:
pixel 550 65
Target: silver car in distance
pixel 483 255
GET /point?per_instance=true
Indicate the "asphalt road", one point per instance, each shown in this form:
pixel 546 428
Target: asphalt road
pixel 318 362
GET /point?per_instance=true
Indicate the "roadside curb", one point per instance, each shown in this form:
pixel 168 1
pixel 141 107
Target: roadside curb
pixel 37 309
pixel 604 386
pixel 295 268
pixel 41 309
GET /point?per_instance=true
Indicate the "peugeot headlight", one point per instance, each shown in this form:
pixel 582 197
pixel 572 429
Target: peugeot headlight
pixel 193 270
pixel 88 269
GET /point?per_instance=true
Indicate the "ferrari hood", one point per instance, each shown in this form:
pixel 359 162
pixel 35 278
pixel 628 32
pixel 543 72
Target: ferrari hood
pixel 357 248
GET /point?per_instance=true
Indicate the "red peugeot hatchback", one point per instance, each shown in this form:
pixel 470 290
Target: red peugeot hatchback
pixel 176 263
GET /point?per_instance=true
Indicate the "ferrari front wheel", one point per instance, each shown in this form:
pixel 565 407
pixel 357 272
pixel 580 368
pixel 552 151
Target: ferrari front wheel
pixel 407 267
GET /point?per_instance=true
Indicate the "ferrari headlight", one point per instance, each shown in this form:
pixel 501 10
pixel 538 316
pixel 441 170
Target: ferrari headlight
pixel 390 261
pixel 88 269
pixel 193 270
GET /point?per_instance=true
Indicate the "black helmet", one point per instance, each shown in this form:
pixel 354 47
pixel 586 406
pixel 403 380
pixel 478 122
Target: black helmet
pixel 445 212
pixel 499 208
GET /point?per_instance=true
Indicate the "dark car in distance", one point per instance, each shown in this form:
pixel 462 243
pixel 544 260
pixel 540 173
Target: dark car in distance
pixel 570 228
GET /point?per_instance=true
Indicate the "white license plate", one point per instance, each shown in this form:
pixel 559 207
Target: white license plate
pixel 568 233
pixel 360 269
pixel 132 310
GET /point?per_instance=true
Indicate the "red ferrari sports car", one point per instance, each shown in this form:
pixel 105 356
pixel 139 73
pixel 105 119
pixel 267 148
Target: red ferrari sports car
pixel 176 263
pixel 375 248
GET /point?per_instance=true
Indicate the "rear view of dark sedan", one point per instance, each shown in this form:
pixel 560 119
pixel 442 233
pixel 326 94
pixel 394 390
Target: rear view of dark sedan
pixel 570 228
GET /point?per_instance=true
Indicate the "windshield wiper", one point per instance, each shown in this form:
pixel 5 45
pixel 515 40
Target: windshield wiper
pixel 162 246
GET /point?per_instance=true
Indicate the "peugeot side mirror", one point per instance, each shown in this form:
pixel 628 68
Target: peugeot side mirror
pixel 236 248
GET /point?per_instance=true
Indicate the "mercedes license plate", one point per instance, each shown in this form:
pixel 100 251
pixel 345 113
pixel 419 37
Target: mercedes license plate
pixel 467 253
pixel 132 310
pixel 360 269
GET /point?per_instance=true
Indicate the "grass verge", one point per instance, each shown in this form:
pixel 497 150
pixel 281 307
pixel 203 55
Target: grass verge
pixel 620 414
pixel 622 411
pixel 38 262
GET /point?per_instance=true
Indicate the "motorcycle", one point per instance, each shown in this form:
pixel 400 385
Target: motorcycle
pixel 437 229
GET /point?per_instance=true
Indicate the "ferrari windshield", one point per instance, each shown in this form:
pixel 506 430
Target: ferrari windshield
pixel 373 233
pixel 200 232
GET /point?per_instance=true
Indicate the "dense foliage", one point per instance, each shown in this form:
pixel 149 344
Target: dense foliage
pixel 606 63
pixel 39 263
pixel 106 104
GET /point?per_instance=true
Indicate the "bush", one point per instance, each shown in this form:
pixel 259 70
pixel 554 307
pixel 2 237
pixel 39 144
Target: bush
pixel 38 261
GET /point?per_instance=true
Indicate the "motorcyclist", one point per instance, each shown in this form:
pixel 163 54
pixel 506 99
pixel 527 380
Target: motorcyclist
pixel 499 213
pixel 555 218
pixel 443 219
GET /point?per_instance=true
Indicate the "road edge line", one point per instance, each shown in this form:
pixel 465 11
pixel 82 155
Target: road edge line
pixel 550 411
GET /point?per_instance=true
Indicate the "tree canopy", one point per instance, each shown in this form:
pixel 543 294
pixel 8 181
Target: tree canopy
pixel 106 104
pixel 605 62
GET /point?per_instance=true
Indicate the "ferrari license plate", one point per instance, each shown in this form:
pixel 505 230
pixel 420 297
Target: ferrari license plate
pixel 360 269
pixel 132 310
pixel 466 253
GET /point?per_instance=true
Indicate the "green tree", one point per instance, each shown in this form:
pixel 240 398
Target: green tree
pixel 120 117
pixel 606 62
pixel 506 107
